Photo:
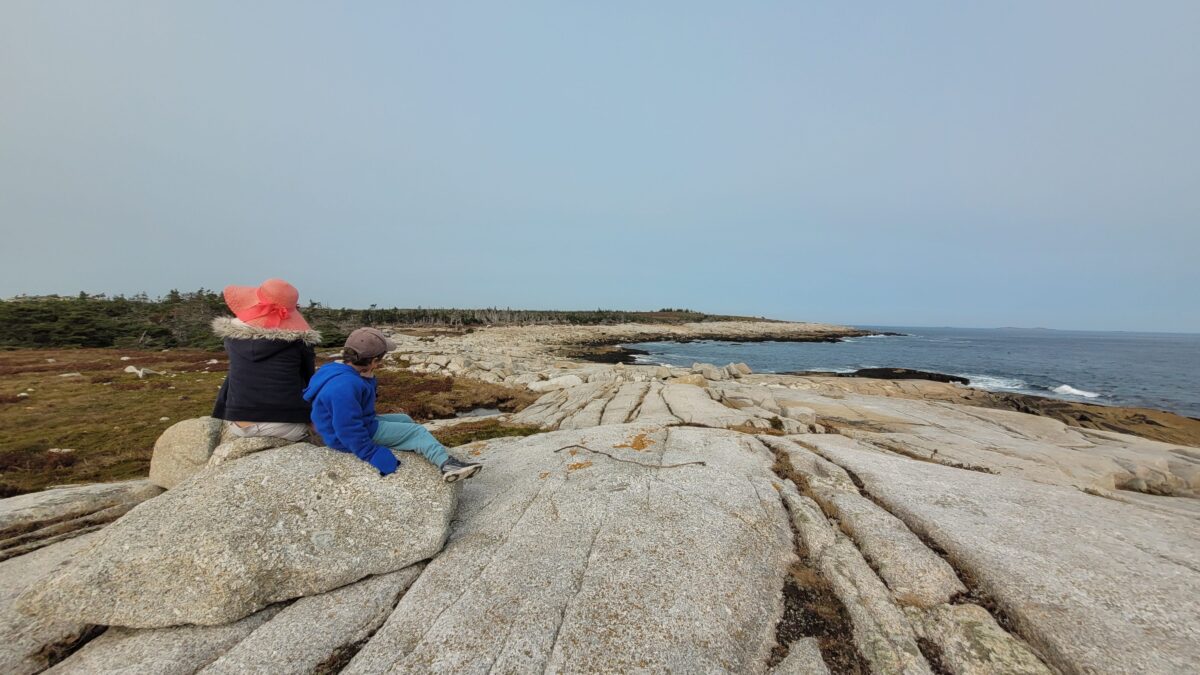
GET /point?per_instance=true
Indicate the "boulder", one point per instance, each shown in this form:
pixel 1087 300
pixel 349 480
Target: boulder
pixel 236 448
pixel 183 449
pixel 31 644
pixel 709 371
pixel 28 522
pixel 796 411
pixel 560 382
pixel 276 525
pixel 694 379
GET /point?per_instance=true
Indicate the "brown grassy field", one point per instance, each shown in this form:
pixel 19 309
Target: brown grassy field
pixel 101 422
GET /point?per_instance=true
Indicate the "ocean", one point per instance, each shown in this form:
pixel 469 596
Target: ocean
pixel 1151 370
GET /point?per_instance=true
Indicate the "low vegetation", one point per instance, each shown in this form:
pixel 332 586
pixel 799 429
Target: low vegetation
pixel 427 397
pixel 181 319
pixel 75 415
pixel 483 430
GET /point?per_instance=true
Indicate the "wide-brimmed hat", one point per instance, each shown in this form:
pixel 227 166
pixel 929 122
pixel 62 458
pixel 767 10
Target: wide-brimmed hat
pixel 271 305
pixel 369 343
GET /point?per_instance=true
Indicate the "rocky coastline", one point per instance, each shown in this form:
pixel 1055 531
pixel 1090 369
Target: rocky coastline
pixel 701 519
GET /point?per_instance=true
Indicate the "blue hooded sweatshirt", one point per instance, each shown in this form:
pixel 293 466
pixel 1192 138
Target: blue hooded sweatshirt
pixel 343 410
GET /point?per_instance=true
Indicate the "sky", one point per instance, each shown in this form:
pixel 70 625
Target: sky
pixel 1020 163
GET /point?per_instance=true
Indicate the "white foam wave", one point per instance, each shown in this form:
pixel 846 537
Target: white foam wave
pixel 1068 390
pixel 994 383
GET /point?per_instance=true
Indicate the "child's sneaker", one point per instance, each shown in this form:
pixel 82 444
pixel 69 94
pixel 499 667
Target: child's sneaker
pixel 454 470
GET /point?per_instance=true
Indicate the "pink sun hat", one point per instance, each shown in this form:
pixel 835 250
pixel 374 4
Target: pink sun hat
pixel 271 305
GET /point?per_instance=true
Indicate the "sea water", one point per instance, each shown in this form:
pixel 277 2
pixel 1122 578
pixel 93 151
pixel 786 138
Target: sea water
pixel 1152 370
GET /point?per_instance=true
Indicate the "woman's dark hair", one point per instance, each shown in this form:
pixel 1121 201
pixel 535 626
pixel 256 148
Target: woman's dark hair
pixel 351 357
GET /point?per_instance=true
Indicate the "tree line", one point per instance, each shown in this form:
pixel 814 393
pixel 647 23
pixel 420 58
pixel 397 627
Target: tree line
pixel 181 319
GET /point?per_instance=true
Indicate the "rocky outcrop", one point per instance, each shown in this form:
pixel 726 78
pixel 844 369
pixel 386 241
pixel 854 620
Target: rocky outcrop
pixel 916 575
pixel 1073 601
pixel 181 650
pixel 29 522
pixel 1014 444
pixel 237 448
pixel 183 449
pixel 615 548
pixel 31 644
pixel 319 632
pixel 276 525
pixel 697 520
pixel 804 658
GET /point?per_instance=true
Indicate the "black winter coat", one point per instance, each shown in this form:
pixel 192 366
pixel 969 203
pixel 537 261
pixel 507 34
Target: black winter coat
pixel 268 370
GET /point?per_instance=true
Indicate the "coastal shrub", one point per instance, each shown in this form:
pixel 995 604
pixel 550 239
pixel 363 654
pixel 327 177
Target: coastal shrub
pixel 181 319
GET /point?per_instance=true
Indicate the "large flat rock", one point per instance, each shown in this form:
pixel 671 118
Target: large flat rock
pixel 1009 443
pixel 567 559
pixel 279 524
pixel 1095 585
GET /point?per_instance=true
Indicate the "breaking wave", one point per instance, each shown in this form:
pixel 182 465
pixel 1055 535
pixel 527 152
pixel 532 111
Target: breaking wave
pixel 994 383
pixel 1068 390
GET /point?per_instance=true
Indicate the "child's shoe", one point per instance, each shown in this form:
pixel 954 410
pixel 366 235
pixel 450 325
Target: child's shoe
pixel 453 470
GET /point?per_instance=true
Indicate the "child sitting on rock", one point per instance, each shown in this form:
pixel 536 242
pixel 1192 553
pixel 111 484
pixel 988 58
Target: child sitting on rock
pixel 343 410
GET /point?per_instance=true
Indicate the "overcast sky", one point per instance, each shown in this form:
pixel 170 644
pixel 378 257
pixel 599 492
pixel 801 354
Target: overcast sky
pixel 920 163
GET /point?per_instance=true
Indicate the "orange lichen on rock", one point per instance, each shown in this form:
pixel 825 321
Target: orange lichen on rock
pixel 543 475
pixel 578 465
pixel 639 443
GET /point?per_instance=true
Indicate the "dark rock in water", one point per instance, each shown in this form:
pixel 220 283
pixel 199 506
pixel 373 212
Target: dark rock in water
pixel 609 354
pixel 906 374
pixel 888 374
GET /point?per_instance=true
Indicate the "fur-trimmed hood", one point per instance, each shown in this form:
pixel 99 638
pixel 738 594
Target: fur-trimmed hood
pixel 229 327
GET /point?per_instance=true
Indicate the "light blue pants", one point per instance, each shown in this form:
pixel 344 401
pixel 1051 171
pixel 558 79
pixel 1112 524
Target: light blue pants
pixel 399 432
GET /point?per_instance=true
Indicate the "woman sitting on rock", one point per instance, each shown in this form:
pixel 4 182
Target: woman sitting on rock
pixel 271 360
pixel 343 411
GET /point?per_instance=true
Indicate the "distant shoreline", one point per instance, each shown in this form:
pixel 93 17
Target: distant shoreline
pixel 1153 423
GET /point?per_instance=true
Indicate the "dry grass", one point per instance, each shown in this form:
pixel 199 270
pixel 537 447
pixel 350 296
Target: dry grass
pixel 107 417
pixel 483 430
pixel 110 419
pixel 427 397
